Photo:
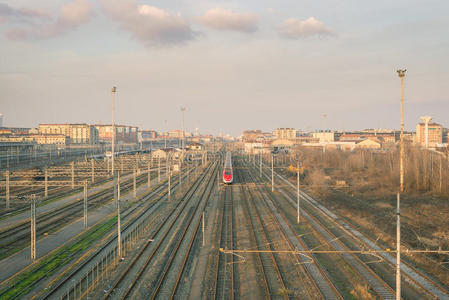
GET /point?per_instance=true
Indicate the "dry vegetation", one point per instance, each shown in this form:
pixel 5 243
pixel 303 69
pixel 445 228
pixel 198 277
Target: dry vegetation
pixel 368 195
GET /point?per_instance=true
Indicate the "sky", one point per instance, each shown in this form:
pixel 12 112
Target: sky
pixel 234 65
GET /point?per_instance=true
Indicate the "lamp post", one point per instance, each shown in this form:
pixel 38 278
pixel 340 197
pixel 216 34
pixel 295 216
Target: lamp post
pixel 165 135
pixel 183 109
pixel 401 74
pixel 114 90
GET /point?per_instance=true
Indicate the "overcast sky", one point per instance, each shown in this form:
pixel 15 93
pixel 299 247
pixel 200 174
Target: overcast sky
pixel 234 65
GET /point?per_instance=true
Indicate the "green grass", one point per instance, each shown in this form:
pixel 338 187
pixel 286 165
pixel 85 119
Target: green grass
pixel 24 283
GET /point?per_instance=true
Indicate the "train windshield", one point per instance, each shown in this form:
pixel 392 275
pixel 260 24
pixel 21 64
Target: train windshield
pixel 228 172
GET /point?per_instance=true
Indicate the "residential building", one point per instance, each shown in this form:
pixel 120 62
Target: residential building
pixel 324 136
pixel 146 135
pixel 434 135
pixel 76 133
pixel 251 135
pixel 368 144
pixel 285 133
pixel 41 139
pixel 124 134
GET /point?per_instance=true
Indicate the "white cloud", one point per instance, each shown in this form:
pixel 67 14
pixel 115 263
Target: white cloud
pixel 72 15
pixel 224 19
pixel 294 28
pixel 149 24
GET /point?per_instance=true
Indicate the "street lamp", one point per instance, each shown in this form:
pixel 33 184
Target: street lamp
pixel 401 74
pixel 165 135
pixel 114 90
pixel 182 149
pixel 298 156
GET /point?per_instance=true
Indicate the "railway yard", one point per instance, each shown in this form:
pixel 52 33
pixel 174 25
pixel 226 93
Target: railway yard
pixel 184 234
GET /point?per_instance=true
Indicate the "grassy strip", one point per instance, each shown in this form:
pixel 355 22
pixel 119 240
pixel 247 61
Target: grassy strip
pixel 23 283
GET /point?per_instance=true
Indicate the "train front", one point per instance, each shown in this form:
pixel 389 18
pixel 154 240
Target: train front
pixel 227 172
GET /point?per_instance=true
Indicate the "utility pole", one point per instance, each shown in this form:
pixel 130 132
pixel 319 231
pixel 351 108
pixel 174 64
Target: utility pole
pixel 401 74
pixel 33 227
pixel 149 176
pixel 134 183
pixel 114 90
pixel 272 172
pixel 92 162
pixel 203 229
pixel 297 195
pixel 158 169
pixel 73 175
pixel 168 174
pixel 324 122
pixel 46 182
pixel 165 135
pixel 118 186
pixel 183 109
pixel 398 249
pixel 85 204
pixel 119 229
pixel 7 189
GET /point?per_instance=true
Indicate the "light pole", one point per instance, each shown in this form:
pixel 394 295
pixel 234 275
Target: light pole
pixel 182 149
pixel 401 74
pixel 165 135
pixel 114 90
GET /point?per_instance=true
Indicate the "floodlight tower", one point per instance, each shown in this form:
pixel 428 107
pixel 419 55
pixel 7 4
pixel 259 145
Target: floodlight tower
pixel 426 120
pixel 401 74
pixel 114 90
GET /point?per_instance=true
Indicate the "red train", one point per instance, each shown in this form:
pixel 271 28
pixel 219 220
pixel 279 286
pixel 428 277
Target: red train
pixel 228 176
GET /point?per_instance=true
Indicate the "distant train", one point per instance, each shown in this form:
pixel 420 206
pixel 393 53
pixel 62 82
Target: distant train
pixel 228 177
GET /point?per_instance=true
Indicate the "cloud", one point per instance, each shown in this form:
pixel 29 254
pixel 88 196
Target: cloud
pixel 294 28
pixel 149 24
pixel 224 19
pixel 72 15
pixel 8 13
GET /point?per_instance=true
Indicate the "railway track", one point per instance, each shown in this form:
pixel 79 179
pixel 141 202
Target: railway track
pixel 132 218
pixel 53 193
pixel 17 237
pixel 317 275
pixel 224 285
pixel 364 272
pixel 272 280
pixel 161 251
pixel 422 281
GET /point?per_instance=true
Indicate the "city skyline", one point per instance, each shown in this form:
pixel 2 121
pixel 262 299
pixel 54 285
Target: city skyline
pixel 61 60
